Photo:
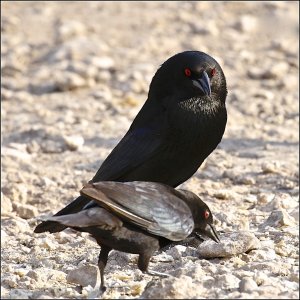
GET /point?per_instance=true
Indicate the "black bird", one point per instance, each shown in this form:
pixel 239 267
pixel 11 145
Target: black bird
pixel 139 217
pixel 180 124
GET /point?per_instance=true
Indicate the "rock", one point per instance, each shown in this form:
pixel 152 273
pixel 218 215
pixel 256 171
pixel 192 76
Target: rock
pixel 231 174
pixel 16 153
pixel 261 278
pixel 162 257
pixel 84 276
pixel 16 192
pixel 181 287
pixel 33 274
pixel 20 294
pixel 247 285
pixel 176 252
pixel 63 237
pixel 270 167
pixel 205 28
pixel 74 142
pixel 69 29
pixel 53 146
pixel 226 281
pixel 26 211
pixel 264 94
pixel 295 213
pixel 16 225
pixel 102 94
pixel 231 244
pixel 246 24
pixel 283 249
pixel 121 259
pixel 69 81
pixel 280 201
pixel 263 198
pixel 101 62
pixel 225 194
pixel 46 182
pixel 41 295
pixel 278 218
pixel 248 180
pixel 6 206
pixel 10 23
pixel 4 237
pixel 263 254
pixel 82 69
pixel 6 94
pixel 39 88
pixel 12 69
pixel 273 72
pixel 46 243
pixel 16 177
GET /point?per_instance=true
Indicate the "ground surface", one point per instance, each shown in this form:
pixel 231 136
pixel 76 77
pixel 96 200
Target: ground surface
pixel 74 75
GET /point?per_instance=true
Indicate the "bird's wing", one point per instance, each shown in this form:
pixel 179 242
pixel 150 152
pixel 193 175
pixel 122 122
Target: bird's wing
pixel 96 216
pixel 150 206
pixel 136 147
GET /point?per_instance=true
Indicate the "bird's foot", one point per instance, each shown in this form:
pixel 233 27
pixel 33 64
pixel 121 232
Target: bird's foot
pixel 102 289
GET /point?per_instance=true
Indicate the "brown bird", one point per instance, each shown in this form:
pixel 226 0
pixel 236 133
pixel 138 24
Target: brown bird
pixel 140 218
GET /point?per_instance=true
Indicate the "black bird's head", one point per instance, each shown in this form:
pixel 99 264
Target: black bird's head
pixel 203 219
pixel 189 74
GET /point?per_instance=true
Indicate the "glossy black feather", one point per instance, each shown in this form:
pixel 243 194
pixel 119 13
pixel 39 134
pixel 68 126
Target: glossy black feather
pixel 174 132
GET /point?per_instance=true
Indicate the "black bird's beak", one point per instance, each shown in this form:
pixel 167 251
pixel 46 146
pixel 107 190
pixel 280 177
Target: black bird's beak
pixel 210 232
pixel 203 83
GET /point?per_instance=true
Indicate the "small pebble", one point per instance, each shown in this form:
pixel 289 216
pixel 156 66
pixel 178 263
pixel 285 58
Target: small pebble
pixel 231 244
pixel 247 285
pixel 26 211
pixel 84 275
pixel 74 142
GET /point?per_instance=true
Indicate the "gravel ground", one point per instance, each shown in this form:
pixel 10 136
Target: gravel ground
pixel 74 75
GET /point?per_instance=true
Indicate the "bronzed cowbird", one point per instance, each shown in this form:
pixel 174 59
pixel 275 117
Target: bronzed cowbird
pixel 180 124
pixel 139 217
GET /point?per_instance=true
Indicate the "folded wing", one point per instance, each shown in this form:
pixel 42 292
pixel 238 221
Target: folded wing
pixel 151 206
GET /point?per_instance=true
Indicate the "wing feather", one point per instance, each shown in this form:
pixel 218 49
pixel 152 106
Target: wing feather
pixel 151 206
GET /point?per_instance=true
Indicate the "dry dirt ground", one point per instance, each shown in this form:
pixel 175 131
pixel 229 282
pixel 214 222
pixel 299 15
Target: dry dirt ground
pixel 74 75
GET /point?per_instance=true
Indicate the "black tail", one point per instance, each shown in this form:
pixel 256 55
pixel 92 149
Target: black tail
pixel 73 207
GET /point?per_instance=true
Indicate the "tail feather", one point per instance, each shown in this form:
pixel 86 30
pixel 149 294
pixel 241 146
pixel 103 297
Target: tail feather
pixel 73 207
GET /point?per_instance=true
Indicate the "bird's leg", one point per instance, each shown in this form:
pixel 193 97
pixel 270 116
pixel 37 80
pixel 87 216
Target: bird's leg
pixel 143 264
pixel 103 256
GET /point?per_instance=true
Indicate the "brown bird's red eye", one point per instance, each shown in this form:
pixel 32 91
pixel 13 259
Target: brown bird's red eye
pixel 206 214
pixel 187 72
pixel 213 72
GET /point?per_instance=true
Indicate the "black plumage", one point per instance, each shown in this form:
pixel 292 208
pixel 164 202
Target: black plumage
pixel 180 124
pixel 139 217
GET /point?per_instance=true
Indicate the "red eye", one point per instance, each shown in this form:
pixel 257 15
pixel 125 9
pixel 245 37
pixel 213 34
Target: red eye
pixel 206 214
pixel 187 72
pixel 213 72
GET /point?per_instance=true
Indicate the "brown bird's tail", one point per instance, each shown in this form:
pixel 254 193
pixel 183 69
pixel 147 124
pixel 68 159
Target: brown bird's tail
pixel 52 226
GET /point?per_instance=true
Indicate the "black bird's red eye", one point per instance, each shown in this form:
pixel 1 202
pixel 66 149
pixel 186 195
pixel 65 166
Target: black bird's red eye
pixel 213 72
pixel 206 214
pixel 187 72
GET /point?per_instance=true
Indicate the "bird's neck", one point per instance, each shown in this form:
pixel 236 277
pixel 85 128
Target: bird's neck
pixel 198 118
pixel 201 107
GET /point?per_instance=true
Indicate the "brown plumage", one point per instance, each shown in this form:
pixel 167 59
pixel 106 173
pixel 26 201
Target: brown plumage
pixel 138 217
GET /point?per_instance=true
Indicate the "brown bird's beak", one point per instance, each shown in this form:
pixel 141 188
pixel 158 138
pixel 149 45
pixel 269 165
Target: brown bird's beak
pixel 210 232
